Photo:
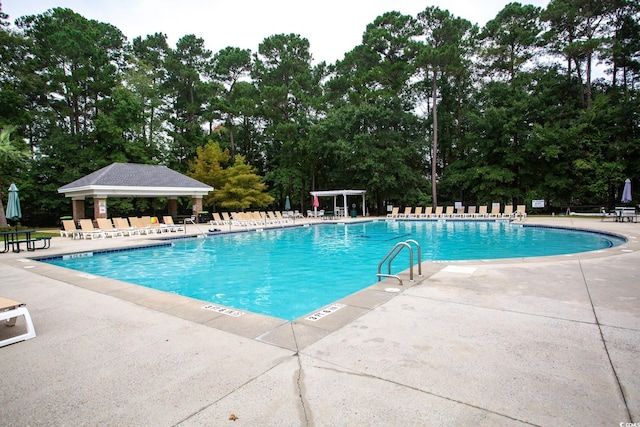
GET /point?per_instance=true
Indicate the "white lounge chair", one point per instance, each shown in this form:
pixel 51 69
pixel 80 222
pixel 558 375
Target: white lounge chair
pixel 10 310
pixel 69 229
pixel 106 225
pixel 87 230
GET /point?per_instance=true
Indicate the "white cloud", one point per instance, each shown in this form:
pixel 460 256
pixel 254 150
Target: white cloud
pixel 333 27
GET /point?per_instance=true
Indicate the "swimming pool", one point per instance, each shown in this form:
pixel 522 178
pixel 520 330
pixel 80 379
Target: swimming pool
pixel 288 273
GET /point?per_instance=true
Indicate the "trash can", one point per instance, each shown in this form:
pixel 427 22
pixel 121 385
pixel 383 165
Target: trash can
pixel 354 213
pixel 203 217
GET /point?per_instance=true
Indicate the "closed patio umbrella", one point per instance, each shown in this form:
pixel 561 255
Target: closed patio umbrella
pixel 316 205
pixel 14 213
pixel 287 204
pixel 626 193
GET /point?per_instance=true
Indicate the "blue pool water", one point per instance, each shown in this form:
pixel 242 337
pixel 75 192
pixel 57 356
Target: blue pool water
pixel 288 273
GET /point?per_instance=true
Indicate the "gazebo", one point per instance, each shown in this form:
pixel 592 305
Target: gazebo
pixel 344 194
pixel 133 180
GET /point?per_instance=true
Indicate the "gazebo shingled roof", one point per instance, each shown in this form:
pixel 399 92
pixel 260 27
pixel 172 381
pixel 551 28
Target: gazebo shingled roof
pixel 133 180
pixel 130 179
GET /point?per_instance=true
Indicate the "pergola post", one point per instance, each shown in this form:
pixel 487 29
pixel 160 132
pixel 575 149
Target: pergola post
pixel 99 207
pixel 172 206
pixel 197 205
pixel 77 208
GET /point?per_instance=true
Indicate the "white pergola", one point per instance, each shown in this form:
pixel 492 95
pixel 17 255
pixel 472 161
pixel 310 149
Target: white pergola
pixel 344 194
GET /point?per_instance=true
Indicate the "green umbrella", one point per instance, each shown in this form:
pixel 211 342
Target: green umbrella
pixel 287 204
pixel 14 213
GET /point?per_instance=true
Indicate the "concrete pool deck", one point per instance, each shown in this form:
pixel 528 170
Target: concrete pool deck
pixel 544 341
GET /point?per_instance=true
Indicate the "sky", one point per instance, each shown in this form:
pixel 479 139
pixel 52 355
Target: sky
pixel 333 27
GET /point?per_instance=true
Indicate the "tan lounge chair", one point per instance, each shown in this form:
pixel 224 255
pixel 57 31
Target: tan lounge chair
pixel 406 213
pixel 168 222
pixel 427 212
pixel 394 212
pixel 521 212
pixel 448 212
pixel 437 213
pixel 88 230
pixel 69 229
pixel 417 212
pixel 495 211
pixel 482 212
pixel 106 225
pixel 10 310
pixel 123 226
pixel 508 211
pixel 471 212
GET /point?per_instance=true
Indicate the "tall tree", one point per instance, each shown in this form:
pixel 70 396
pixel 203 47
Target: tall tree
pixel 229 68
pixel 445 42
pixel 287 84
pixel 186 65
pixel 578 30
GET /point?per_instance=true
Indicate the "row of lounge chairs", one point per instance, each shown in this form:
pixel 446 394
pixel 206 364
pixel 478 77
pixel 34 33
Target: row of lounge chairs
pixel 472 212
pixel 246 219
pixel 117 227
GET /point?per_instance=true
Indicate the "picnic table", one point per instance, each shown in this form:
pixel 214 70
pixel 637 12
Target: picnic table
pixel 628 213
pixel 13 239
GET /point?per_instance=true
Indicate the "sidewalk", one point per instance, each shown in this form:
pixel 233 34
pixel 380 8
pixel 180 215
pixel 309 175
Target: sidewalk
pixel 546 341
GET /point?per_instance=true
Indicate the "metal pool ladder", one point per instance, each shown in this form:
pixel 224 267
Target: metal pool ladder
pixel 393 253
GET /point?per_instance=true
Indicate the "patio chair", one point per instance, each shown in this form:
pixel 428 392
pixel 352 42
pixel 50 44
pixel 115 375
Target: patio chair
pixel 448 212
pixel 459 212
pixel 437 213
pixel 69 229
pixel 406 213
pixel 10 310
pixel 417 212
pixel 122 225
pixel 106 225
pixel 168 222
pixel 88 230
pixel 471 212
pixel 508 211
pixel 427 212
pixel 495 211
pixel 394 212
pixel 521 212
pixel 482 212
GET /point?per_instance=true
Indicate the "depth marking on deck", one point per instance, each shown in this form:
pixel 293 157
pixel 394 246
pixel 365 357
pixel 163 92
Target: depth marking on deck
pixel 223 310
pixel 325 312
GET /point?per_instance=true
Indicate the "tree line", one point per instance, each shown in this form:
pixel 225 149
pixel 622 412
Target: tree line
pixel 427 110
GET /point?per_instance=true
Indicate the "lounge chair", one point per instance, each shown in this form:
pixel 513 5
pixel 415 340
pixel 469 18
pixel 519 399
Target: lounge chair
pixel 69 229
pixel 406 213
pixel 394 212
pixel 427 212
pixel 471 212
pixel 437 213
pixel 448 212
pixel 122 225
pixel 417 212
pixel 88 230
pixel 459 212
pixel 508 211
pixel 521 212
pixel 168 222
pixel 482 212
pixel 495 211
pixel 9 312
pixel 141 225
pixel 106 225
